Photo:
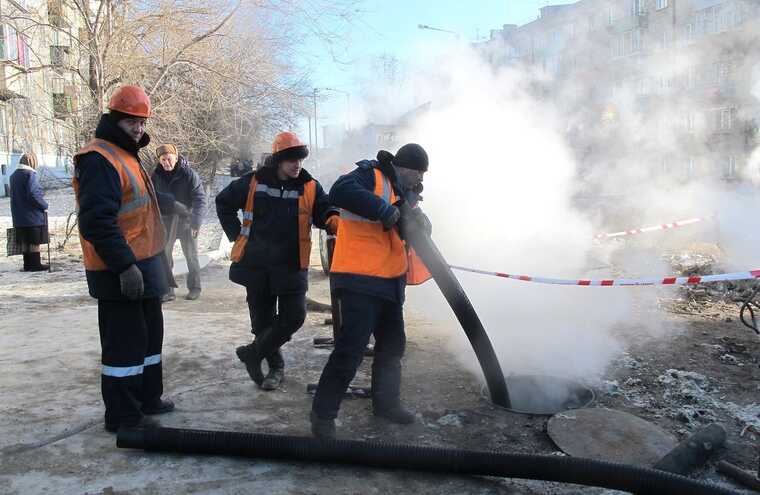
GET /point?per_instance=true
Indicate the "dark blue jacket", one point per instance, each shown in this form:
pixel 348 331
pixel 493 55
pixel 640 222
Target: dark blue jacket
pixel 355 192
pixel 27 202
pixel 271 262
pixel 99 203
pixel 185 185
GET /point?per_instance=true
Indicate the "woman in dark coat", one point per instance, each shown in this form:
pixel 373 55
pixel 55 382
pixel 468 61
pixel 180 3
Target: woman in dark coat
pixel 28 208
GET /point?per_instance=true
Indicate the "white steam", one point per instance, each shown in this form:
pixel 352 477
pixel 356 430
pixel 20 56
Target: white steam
pixel 499 194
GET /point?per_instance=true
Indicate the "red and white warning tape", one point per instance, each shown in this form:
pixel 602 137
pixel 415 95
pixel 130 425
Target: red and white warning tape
pixel 655 228
pixel 622 282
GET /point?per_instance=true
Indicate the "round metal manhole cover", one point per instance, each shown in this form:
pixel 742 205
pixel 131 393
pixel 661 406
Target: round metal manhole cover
pixel 545 395
pixel 609 435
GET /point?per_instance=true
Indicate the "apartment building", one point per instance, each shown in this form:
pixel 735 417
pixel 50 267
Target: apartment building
pixel 39 91
pixel 671 85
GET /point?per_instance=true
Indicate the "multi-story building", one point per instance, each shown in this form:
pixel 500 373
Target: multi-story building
pixel 39 85
pixel 669 86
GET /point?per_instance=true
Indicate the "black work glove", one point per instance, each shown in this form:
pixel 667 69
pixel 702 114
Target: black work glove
pixel 423 221
pixel 391 218
pixel 181 209
pixel 414 220
pixel 131 281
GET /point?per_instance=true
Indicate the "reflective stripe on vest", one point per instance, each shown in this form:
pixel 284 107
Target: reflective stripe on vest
pixel 305 209
pixel 139 200
pixel 386 195
pixel 362 246
pixel 138 217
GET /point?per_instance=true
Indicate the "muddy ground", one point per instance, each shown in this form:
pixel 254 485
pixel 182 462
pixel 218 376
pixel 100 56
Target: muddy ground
pixel 52 438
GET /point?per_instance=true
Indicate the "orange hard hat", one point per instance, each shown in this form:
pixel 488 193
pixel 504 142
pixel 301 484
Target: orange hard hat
pixel 284 141
pixel 132 100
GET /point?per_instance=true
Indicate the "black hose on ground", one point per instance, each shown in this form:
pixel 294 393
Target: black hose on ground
pixel 456 297
pixel 562 469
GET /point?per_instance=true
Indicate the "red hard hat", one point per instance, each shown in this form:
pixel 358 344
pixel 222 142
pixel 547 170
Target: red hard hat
pixel 132 100
pixel 284 141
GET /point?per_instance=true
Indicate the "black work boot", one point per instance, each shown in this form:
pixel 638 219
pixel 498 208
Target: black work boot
pixel 395 414
pixel 143 422
pixel 386 392
pixel 169 296
pixel 35 264
pixel 266 343
pixel 159 406
pixel 276 371
pixel 27 263
pixel 322 429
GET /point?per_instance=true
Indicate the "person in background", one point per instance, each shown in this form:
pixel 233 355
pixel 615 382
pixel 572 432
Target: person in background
pixel 28 208
pixel 173 175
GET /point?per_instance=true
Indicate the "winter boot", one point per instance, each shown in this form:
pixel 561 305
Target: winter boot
pixel 276 371
pixel 35 264
pixel 322 429
pixel 143 422
pixel 27 262
pixel 386 393
pixel 266 343
pixel 193 295
pixel 169 296
pixel 396 414
pixel 159 406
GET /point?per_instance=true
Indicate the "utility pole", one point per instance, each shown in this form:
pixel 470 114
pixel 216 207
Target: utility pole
pixel 316 127
pixel 309 117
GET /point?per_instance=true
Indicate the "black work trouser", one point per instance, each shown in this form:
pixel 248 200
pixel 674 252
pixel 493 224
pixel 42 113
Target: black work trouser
pixel 284 314
pixel 131 338
pixel 364 316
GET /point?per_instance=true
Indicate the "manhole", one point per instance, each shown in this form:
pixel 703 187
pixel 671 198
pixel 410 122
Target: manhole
pixel 609 435
pixel 545 394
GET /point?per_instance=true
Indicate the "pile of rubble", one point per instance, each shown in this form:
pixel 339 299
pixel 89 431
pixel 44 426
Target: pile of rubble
pixel 695 299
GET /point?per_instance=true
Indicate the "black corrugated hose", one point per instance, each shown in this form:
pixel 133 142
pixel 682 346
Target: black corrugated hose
pixel 562 469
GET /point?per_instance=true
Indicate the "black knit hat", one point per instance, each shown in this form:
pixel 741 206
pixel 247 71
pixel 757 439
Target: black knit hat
pixel 411 156
pixel 290 154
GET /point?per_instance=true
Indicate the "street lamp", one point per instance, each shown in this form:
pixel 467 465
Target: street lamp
pixel 431 28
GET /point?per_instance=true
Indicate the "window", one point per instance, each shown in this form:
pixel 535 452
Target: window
pixel 61 106
pixel 11 44
pixel 691 167
pixel 726 119
pixel 635 41
pixel 636 7
pixel 729 167
pixel 59 56
pixel 661 4
pixel 689 32
pixel 23 51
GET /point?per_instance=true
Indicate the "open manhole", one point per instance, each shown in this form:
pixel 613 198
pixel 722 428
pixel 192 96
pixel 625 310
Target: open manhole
pixel 545 394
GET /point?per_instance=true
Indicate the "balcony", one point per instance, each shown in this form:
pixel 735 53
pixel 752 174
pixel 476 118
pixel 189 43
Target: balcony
pixel 631 22
pixel 63 106
pixel 59 56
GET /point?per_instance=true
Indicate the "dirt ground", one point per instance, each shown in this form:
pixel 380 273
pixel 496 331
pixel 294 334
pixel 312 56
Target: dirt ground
pixel 52 438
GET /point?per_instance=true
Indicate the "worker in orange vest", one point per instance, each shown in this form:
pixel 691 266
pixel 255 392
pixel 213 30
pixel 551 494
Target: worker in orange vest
pixel 122 241
pixel 369 272
pixel 280 202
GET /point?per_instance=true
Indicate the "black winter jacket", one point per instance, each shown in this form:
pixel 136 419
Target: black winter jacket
pixel 185 185
pixel 99 203
pixel 271 261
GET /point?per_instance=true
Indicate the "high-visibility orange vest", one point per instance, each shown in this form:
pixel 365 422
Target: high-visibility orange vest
pixel 362 246
pixel 305 209
pixel 139 218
